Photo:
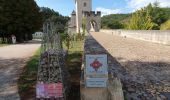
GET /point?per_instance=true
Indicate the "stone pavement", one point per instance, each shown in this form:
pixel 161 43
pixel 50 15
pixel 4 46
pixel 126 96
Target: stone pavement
pixel 143 67
pixel 12 60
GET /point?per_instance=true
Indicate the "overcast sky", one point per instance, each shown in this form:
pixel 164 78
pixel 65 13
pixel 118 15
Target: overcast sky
pixel 65 7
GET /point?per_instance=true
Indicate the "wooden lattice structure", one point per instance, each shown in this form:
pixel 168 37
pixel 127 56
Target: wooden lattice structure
pixel 51 70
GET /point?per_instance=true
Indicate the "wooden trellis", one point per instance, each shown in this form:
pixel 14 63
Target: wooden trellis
pixel 51 70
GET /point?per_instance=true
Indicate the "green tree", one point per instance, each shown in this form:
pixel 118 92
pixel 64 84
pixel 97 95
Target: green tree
pixel 48 13
pixel 141 20
pixel 114 21
pixel 157 14
pixel 115 25
pixel 166 25
pixel 149 17
pixel 19 17
pixel 59 20
pixel 167 12
pixel 154 12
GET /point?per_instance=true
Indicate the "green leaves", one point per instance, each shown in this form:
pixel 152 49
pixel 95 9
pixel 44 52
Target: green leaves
pixel 141 20
pixel 19 17
pixel 114 21
pixel 59 20
pixel 166 25
pixel 148 18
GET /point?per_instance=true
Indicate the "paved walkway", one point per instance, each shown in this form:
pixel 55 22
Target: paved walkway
pixel 12 60
pixel 131 49
pixel 146 64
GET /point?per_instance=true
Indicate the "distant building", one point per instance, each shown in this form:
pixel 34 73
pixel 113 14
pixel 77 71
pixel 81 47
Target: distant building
pixel 72 23
pixel 37 35
pixel 84 17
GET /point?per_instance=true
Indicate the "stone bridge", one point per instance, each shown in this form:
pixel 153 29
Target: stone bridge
pixel 143 67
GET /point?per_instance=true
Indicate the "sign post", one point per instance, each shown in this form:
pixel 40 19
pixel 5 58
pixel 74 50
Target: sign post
pixel 96 70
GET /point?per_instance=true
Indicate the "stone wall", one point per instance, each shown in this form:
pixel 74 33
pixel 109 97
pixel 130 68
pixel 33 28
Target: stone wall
pixel 113 91
pixel 155 36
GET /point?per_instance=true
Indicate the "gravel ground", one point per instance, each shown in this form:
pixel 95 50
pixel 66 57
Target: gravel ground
pixel 145 66
pixel 12 60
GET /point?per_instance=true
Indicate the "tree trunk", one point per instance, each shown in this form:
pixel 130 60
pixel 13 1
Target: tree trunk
pixel 30 37
pixel 19 38
pixel 9 40
pixel 3 39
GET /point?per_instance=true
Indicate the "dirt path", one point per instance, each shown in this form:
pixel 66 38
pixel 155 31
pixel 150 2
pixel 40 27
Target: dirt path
pixel 146 64
pixel 12 60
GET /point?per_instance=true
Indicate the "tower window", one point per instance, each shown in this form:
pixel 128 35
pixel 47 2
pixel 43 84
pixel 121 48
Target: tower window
pixel 85 4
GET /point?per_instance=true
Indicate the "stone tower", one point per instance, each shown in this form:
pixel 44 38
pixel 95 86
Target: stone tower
pixel 72 23
pixel 84 13
pixel 81 6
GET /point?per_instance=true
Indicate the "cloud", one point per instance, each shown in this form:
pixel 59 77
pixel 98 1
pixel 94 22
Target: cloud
pixel 106 11
pixel 137 4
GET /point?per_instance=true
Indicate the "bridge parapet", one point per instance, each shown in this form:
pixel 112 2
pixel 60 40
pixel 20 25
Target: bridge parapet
pixel 156 36
pixel 113 90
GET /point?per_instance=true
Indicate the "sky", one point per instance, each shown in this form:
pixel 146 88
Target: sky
pixel 65 7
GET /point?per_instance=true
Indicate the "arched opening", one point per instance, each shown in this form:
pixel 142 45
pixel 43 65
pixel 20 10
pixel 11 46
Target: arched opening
pixel 92 26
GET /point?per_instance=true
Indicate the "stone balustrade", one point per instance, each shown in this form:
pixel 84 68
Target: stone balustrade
pixel 156 36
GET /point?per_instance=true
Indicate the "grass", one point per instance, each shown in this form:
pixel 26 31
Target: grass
pixel 74 57
pixel 27 80
pixel 74 67
pixel 1 45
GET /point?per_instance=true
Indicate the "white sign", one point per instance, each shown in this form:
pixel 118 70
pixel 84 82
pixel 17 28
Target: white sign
pixel 96 71
pixel 96 82
pixel 96 65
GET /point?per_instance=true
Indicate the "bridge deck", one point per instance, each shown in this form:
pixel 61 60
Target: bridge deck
pixel 147 65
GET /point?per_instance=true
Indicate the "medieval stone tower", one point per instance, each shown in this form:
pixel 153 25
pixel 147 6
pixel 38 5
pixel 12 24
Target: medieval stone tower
pixel 82 6
pixel 84 11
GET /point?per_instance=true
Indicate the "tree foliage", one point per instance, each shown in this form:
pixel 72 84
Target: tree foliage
pixel 148 18
pixel 114 21
pixel 115 25
pixel 157 14
pixel 166 12
pixel 141 20
pixel 59 20
pixel 20 18
pixel 166 25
